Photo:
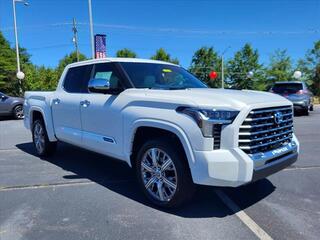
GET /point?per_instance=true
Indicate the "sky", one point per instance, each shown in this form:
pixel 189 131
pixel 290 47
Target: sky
pixel 181 27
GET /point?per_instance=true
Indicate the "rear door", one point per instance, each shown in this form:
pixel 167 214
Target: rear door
pixel 66 105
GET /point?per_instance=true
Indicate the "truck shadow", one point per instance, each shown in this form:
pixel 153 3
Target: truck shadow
pixel 117 176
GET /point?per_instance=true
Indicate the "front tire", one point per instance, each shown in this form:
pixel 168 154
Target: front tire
pixel 305 111
pixel 311 108
pixel 18 112
pixel 163 173
pixel 41 141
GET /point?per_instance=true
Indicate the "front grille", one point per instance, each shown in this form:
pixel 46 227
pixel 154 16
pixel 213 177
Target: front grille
pixel 263 131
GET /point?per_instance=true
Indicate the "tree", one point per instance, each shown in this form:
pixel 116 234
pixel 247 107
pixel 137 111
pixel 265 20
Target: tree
pixel 310 68
pixel 68 59
pixel 245 61
pixel 41 78
pixel 280 67
pixel 8 67
pixel 162 55
pixel 204 61
pixel 126 53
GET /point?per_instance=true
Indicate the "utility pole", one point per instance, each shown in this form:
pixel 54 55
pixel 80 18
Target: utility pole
pixel 222 72
pixel 75 37
pixel 222 66
pixel 91 29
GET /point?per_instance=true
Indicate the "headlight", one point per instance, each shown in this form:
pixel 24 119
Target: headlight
pixel 206 119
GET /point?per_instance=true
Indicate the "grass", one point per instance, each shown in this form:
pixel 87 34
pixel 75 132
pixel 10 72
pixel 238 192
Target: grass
pixel 316 100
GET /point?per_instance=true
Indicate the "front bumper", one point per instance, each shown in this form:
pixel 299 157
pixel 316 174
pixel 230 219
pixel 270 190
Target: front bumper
pixel 274 166
pixel 234 168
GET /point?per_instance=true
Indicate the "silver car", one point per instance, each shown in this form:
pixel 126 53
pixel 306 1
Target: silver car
pixel 11 106
pixel 298 93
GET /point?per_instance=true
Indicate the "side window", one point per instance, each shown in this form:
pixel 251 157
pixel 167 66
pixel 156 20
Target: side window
pixel 76 77
pixel 107 72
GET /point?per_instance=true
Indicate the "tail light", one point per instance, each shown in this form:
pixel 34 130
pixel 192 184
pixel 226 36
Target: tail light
pixel 302 92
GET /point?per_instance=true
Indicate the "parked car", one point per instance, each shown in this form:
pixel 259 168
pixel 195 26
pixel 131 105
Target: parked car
pixel 166 124
pixel 11 106
pixel 298 93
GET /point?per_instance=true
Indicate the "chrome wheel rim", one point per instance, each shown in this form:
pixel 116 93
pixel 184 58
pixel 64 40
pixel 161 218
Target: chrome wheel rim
pixel 39 138
pixel 18 112
pixel 159 174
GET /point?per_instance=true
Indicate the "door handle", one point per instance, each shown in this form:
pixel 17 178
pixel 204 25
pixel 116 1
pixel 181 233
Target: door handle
pixel 56 101
pixel 85 103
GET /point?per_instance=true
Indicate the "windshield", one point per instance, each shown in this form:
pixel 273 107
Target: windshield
pixel 287 88
pixel 160 76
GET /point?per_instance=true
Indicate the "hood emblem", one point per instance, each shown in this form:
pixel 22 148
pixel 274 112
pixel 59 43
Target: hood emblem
pixel 278 117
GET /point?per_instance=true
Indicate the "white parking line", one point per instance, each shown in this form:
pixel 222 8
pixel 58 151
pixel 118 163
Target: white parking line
pixel 252 225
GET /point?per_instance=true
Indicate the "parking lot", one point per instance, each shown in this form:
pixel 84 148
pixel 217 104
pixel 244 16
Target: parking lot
pixel 82 195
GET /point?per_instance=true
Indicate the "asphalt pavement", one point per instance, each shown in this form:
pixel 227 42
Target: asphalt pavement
pixel 77 194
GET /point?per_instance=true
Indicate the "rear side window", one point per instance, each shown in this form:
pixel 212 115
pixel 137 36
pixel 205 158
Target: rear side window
pixel 76 78
pixel 287 87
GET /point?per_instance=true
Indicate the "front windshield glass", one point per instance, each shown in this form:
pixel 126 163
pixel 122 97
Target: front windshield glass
pixel 160 76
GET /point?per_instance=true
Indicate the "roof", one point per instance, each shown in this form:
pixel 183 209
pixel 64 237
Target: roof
pixel 133 60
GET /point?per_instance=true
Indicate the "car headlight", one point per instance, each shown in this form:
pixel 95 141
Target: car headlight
pixel 207 118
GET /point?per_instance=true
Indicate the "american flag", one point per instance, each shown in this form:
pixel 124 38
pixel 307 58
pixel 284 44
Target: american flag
pixel 100 45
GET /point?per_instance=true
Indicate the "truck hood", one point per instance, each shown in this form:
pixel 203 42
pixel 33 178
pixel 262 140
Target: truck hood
pixel 208 97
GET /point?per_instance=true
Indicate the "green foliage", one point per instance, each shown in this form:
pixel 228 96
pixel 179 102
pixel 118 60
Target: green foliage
pixel 244 61
pixel 280 67
pixel 68 59
pixel 8 81
pixel 204 61
pixel 41 78
pixel 310 68
pixel 162 55
pixel 126 53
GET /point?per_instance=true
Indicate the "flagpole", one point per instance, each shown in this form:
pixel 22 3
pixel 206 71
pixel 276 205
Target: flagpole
pixel 91 29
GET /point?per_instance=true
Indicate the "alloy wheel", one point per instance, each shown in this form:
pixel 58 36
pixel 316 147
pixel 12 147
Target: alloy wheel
pixel 18 112
pixel 39 137
pixel 159 174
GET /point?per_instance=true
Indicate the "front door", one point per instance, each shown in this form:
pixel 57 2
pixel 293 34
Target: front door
pixel 66 105
pixel 101 115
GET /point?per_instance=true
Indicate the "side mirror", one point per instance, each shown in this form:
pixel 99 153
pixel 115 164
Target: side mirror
pixel 98 85
pixel 3 97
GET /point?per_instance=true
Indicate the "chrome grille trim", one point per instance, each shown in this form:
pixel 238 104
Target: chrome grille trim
pixel 271 110
pixel 260 132
pixel 260 139
pixel 265 131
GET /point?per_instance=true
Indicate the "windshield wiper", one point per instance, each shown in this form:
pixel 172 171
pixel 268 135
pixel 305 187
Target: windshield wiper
pixel 177 88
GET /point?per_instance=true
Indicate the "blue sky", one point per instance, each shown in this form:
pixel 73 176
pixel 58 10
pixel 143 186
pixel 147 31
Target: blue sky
pixel 180 27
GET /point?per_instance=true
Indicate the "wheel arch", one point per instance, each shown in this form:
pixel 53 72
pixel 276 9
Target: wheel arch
pixel 38 113
pixel 145 127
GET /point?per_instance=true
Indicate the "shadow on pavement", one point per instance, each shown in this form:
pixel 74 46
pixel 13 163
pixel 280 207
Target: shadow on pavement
pixel 117 176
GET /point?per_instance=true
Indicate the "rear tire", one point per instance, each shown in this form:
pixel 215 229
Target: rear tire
pixel 171 183
pixel 41 141
pixel 18 112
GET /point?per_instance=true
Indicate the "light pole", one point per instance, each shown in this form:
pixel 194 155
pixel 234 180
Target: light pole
pixel 222 66
pixel 20 74
pixel 91 29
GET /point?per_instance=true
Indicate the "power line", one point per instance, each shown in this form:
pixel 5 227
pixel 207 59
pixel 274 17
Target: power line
pixel 309 30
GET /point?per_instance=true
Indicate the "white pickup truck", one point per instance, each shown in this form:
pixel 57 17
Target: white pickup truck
pixel 166 124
